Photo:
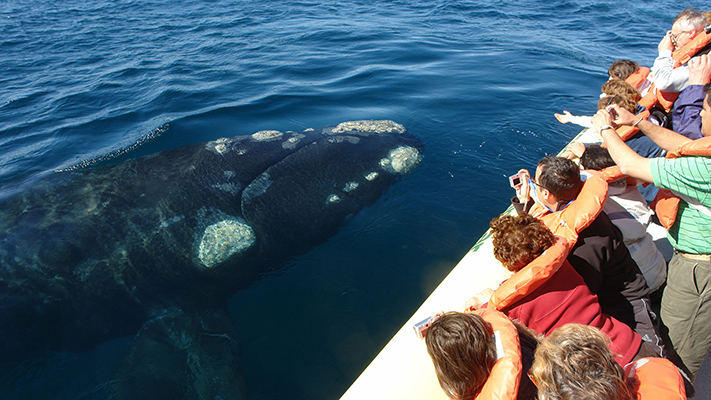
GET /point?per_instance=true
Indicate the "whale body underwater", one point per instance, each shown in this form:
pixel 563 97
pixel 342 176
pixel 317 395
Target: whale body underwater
pixel 94 254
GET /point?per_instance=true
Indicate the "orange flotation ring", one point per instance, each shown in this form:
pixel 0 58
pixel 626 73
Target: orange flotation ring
pixel 666 204
pixel 657 379
pixel 505 375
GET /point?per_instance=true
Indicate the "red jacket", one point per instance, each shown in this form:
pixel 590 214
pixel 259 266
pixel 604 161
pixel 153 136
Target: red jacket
pixel 549 293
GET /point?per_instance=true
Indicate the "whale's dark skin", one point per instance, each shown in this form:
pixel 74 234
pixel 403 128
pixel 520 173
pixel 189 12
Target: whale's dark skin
pixel 89 255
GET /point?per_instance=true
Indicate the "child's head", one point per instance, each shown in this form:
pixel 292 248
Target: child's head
pixel 622 88
pixel 518 240
pixel 622 101
pixel 463 353
pixel 622 69
pixel 596 157
pixel 575 361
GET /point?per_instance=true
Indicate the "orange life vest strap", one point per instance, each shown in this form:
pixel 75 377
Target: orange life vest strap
pixel 581 212
pixel 650 99
pixel 627 131
pixel 638 77
pixel 666 203
pixel 684 54
pixel 666 99
pixel 530 277
pixel 505 375
pixel 657 379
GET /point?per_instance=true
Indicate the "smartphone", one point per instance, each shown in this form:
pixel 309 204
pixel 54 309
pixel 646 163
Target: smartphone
pixel 515 180
pixel 422 326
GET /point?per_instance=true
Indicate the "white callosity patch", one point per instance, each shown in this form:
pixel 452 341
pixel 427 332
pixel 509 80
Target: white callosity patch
pixel 371 176
pixel 341 139
pixel 401 160
pixel 369 126
pixel 291 142
pixel 229 174
pixel 265 136
pixel 219 146
pixel 332 199
pixel 258 187
pixel 350 186
pixel 224 239
pixel 229 187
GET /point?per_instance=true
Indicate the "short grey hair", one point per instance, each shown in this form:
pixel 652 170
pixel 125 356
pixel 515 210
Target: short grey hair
pixel 690 20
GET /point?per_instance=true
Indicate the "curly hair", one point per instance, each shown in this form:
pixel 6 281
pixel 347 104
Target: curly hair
pixel 620 100
pixel 575 362
pixel 463 353
pixel 518 240
pixel 622 88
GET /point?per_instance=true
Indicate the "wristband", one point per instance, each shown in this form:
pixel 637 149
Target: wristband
pixel 638 121
pixel 602 128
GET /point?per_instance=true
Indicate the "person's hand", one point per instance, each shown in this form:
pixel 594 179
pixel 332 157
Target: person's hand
pixel 574 150
pixel 601 118
pixel 523 191
pixel 666 43
pixel 700 70
pixel 478 300
pixel 613 115
pixel 563 118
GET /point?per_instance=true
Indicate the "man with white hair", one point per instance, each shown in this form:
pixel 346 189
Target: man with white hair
pixel 687 25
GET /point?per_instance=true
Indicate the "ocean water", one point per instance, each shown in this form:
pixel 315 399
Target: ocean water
pixel 84 83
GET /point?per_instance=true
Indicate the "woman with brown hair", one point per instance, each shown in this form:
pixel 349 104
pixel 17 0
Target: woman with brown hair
pixel 481 355
pixel 545 292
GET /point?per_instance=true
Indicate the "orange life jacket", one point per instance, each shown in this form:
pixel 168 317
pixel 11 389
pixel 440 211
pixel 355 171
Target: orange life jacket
pixel 614 173
pixel 580 213
pixel 681 56
pixel 684 54
pixel 638 77
pixel 666 204
pixel 627 131
pixel 504 378
pixel 530 277
pixel 657 379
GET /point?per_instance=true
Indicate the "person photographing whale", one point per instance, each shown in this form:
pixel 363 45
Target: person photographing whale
pixel 572 208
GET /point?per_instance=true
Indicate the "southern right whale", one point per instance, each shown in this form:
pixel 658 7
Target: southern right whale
pixel 93 254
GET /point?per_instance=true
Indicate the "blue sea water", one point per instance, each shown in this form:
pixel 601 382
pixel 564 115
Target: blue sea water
pixel 89 82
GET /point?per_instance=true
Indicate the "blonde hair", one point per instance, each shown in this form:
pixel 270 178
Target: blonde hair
pixel 621 101
pixel 575 362
pixel 618 86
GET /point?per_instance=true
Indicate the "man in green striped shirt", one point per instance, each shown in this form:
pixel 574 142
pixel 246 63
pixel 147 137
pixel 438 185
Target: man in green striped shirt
pixel 686 302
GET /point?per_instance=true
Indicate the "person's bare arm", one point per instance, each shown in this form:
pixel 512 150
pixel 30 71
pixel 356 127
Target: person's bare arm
pixel 630 163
